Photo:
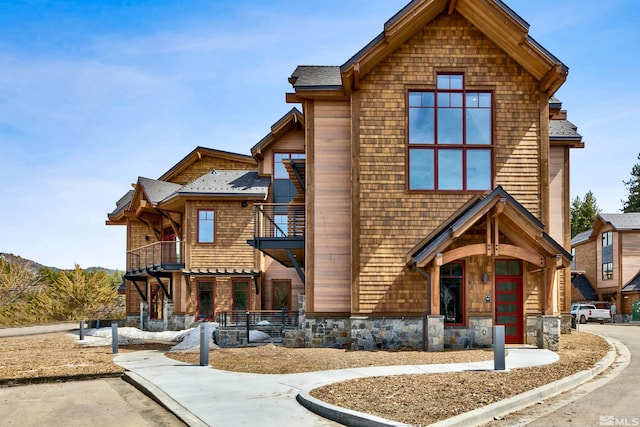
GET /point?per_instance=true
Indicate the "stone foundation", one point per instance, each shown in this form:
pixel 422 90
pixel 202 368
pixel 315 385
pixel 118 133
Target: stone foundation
pixel 377 333
pixel 435 333
pixel 565 323
pixel 548 332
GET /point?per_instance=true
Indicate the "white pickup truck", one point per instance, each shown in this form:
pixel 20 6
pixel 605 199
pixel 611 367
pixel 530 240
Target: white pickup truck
pixel 584 313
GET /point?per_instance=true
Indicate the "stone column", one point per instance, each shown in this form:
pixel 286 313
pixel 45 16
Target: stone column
pixel 144 313
pixel 435 333
pixel 548 332
pixel 168 316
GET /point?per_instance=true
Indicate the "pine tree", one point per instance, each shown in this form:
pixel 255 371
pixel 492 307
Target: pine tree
pixel 583 212
pixel 19 286
pixel 632 204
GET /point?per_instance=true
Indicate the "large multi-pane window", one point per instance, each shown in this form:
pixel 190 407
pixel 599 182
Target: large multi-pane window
pixel 450 137
pixel 452 292
pixel 206 226
pixel 607 255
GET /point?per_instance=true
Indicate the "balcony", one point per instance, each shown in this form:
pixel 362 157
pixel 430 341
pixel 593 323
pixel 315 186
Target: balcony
pixel 156 257
pixel 279 232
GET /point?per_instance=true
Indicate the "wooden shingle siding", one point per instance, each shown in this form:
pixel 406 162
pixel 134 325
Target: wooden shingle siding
pixel 331 211
pixel 586 260
pixel 233 227
pixel 206 164
pixel 392 220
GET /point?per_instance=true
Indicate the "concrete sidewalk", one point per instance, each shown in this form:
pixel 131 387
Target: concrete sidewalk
pixel 205 396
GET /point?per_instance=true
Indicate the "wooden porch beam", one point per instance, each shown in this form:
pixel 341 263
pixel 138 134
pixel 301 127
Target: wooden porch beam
pixel 435 289
pixel 452 6
pixel 524 254
pixel 489 245
pixel 463 252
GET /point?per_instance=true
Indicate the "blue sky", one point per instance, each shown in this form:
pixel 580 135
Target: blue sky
pixel 95 93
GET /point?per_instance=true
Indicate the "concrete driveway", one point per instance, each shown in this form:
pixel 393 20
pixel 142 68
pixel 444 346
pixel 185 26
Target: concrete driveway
pixel 611 399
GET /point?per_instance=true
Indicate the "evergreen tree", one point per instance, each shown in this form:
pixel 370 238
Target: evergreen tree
pixel 632 204
pixel 79 294
pixel 19 286
pixel 583 212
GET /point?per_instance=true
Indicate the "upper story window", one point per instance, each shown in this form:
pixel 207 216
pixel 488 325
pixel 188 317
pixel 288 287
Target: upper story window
pixel 607 255
pixel 206 226
pixel 279 171
pixel 450 137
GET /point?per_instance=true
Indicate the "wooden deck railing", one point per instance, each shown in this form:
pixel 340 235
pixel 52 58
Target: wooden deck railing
pixel 156 256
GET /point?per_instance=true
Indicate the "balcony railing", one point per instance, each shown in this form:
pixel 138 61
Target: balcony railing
pixel 279 220
pixel 159 256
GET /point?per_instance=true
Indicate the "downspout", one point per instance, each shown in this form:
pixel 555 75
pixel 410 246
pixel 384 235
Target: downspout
pixel 427 311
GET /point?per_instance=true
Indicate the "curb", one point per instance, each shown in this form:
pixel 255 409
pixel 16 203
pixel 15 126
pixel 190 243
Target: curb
pixel 475 417
pixel 162 398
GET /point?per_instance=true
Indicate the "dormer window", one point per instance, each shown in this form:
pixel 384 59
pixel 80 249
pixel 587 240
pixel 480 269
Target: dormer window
pixel 450 137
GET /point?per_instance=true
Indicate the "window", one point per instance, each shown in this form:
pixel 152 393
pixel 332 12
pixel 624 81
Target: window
pixel 205 300
pixel 450 137
pixel 241 295
pixel 206 226
pixel 607 255
pixel 156 303
pixel 282 295
pixel 279 171
pixel 573 258
pixel 452 292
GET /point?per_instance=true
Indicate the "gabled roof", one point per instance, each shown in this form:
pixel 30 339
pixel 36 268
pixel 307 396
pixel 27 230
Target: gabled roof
pixel 492 17
pixel 197 154
pixel 472 213
pixel 563 129
pixel 226 183
pixel 116 217
pixel 292 120
pixel 582 284
pixel 620 221
pixel 154 190
pixel 581 237
pixel 633 284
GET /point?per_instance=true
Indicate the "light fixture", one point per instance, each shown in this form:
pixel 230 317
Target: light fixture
pixel 485 278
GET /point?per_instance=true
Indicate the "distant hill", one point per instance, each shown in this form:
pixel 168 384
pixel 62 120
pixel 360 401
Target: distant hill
pixel 35 266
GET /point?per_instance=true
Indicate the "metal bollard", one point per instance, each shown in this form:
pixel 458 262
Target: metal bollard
pixel 204 345
pixel 81 330
pixel 114 338
pixel 498 348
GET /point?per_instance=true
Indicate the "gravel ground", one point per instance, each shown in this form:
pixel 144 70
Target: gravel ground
pixel 412 399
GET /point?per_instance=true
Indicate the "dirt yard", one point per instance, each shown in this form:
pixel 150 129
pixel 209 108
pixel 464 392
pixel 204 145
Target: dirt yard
pixel 413 399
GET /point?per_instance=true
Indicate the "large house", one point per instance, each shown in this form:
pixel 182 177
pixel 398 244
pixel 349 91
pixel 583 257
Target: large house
pixel 606 263
pixel 419 199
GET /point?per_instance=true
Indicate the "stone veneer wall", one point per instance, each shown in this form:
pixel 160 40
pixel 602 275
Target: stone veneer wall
pixel 548 332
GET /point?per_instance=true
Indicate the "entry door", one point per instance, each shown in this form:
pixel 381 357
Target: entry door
pixel 205 300
pixel 508 303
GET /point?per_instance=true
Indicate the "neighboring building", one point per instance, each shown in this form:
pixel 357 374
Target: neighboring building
pixel 608 258
pixel 187 233
pixel 425 188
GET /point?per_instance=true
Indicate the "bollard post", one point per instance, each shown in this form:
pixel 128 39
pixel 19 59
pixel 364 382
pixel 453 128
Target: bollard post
pixel 204 345
pixel 81 330
pixel 248 330
pixel 498 348
pixel 114 338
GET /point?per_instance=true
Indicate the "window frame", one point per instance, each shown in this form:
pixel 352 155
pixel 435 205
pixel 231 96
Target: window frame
pixel 462 279
pixel 607 261
pixel 199 282
pixel 435 151
pixel 214 225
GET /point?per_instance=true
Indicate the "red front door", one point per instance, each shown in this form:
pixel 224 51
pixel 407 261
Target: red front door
pixel 508 303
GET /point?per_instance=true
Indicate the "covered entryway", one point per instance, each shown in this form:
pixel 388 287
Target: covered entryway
pixel 511 263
